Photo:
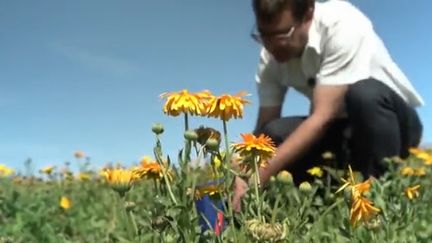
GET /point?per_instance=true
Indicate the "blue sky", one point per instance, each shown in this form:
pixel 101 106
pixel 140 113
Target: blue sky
pixel 86 75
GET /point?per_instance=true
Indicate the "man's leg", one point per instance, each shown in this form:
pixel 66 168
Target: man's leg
pixel 333 141
pixel 383 125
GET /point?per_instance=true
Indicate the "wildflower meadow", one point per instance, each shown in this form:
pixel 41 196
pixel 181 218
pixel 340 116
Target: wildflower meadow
pixel 185 197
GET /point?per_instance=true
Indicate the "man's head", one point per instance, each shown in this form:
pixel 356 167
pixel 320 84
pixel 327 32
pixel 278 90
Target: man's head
pixel 283 26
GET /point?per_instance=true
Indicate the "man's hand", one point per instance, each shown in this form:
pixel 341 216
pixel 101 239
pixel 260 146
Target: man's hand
pixel 240 188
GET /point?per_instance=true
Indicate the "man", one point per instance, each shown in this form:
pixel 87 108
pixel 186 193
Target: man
pixel 362 105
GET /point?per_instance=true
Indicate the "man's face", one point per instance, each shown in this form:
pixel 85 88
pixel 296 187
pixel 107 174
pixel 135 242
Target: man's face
pixel 284 37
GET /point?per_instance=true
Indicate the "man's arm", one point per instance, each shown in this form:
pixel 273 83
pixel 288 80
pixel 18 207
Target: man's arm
pixel 327 101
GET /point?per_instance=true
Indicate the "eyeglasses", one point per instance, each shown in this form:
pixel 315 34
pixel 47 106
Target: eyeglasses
pixel 260 37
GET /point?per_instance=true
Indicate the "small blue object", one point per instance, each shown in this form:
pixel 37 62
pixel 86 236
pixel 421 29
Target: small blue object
pixel 212 210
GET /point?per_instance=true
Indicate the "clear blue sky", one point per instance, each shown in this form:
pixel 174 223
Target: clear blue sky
pixel 86 75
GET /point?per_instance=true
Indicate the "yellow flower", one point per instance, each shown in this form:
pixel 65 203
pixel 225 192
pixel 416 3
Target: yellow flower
pixel 412 192
pixel 421 171
pixel 315 171
pixel 252 147
pixel 79 154
pixel 226 106
pixel 84 176
pixel 120 180
pixel 423 155
pixel 362 210
pixel 6 171
pixel 185 102
pixel 210 190
pixel 415 151
pixel 407 171
pixel 65 202
pixel 150 170
pixel 47 170
pixel 357 189
pixel 347 182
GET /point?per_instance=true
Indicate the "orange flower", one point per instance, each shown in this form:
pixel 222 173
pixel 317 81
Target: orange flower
pixel 150 170
pixel 252 147
pixel 226 106
pixel 362 210
pixel 185 102
pixel 412 192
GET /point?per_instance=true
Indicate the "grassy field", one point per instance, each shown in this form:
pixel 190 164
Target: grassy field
pixel 156 200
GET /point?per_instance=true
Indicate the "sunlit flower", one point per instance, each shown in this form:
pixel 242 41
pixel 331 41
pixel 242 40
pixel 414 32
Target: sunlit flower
pixel 6 171
pixel 260 148
pixel 47 170
pixel 185 102
pixel 315 171
pixel 120 180
pixel 79 154
pixel 362 210
pixel 65 202
pixel 412 192
pixel 407 171
pixel 150 169
pixel 226 106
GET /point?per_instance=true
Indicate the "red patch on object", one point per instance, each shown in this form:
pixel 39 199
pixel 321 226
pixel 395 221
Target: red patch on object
pixel 219 223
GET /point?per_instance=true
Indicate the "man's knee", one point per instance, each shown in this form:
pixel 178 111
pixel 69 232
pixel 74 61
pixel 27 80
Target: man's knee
pixel 365 97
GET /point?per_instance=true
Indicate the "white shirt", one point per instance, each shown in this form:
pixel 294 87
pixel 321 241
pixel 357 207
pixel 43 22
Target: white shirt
pixel 342 48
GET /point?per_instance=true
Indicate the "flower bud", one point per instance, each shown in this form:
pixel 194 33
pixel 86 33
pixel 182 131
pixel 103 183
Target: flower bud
pixel 212 144
pixel 157 128
pixel 190 135
pixel 285 177
pixel 129 206
pixel 305 187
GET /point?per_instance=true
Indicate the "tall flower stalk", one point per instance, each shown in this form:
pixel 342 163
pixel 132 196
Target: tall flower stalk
pixel 255 151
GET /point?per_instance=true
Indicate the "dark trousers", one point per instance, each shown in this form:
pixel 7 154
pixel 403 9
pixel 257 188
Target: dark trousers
pixel 380 124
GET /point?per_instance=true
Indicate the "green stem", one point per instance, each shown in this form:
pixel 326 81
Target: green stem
pixel 227 150
pixel 335 204
pixel 168 186
pixel 278 198
pixel 134 224
pixel 256 185
pixel 186 120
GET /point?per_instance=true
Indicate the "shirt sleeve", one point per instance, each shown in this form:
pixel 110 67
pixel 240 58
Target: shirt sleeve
pixel 346 53
pixel 271 92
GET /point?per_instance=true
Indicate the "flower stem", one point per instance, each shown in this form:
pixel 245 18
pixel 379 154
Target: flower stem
pixel 257 185
pixel 227 151
pixel 186 120
pixel 168 186
pixel 134 224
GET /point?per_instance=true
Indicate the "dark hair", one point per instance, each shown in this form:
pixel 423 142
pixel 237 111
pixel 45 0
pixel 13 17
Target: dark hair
pixel 267 10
